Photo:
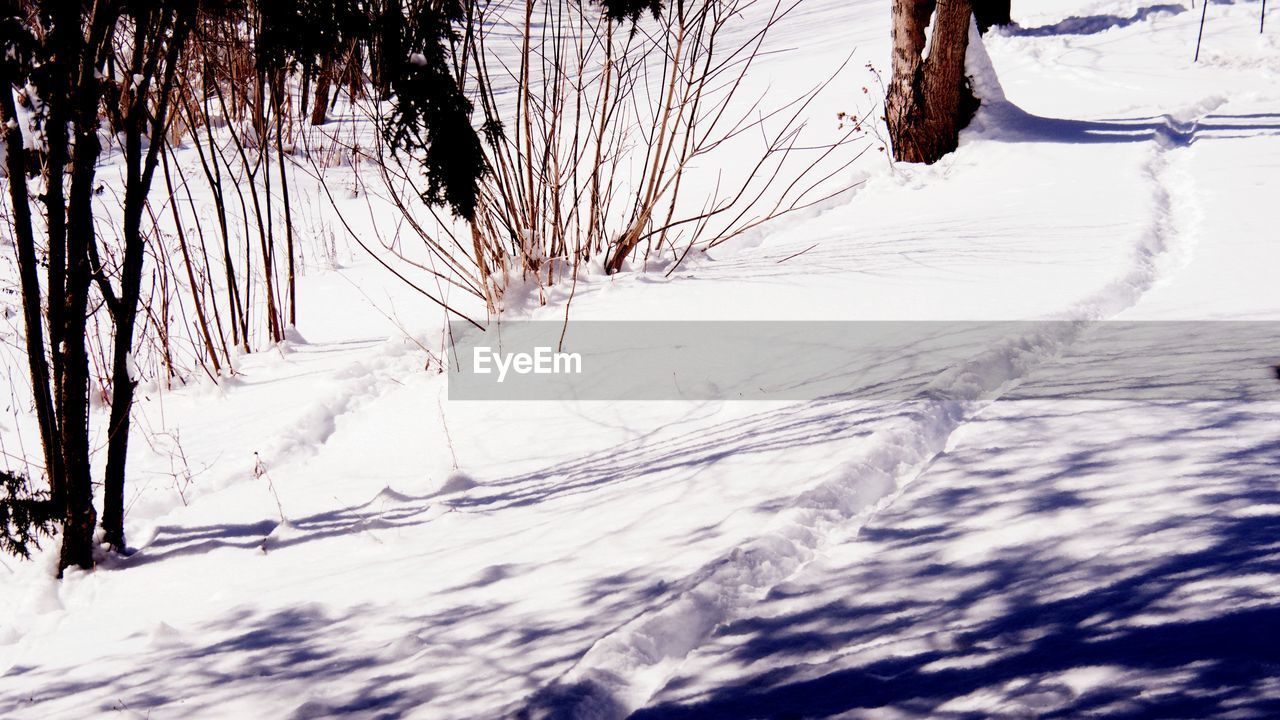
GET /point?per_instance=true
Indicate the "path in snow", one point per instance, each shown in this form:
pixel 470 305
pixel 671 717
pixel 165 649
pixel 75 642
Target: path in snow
pixel 1062 558
pixel 582 552
pixel 622 670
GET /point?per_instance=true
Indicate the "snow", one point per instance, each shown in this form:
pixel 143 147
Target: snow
pixel 327 534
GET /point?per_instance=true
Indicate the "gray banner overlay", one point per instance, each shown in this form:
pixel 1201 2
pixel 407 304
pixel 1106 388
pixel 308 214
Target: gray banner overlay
pixel 1110 360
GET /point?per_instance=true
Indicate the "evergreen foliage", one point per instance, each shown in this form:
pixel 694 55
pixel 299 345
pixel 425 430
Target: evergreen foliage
pixel 430 115
pixel 25 516
pixel 630 9
pixel 411 46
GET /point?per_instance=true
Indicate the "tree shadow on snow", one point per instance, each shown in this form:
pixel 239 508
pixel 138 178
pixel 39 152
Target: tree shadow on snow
pixel 1093 24
pixel 661 455
pixel 1010 123
pixel 946 618
pixel 313 661
pixel 386 511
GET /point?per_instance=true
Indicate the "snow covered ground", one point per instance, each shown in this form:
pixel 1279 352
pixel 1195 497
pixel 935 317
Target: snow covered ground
pixel 347 541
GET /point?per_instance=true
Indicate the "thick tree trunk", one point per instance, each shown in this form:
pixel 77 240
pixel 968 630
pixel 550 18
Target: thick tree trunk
pixel 73 396
pixel 77 97
pixel 929 100
pixel 990 13
pixel 70 101
pixel 54 199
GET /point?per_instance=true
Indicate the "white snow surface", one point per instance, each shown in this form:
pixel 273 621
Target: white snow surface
pixel 339 539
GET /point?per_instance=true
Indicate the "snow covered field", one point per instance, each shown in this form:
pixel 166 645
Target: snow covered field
pixel 341 539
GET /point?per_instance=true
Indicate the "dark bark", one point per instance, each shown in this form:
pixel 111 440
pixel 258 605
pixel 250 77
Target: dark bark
pixel 72 398
pixel 66 55
pixel 354 72
pixel 54 199
pixel 307 72
pixel 387 49
pixel 929 100
pixel 323 80
pixel 24 236
pixel 139 173
pixel 990 13
pixel 291 289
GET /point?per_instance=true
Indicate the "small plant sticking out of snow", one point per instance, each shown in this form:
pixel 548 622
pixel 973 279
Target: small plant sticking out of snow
pixel 260 473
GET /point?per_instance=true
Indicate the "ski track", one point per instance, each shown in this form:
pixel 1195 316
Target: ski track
pixel 362 382
pixel 371 372
pixel 623 669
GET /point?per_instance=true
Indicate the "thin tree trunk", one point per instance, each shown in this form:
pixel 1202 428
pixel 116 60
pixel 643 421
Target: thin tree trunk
pixel 140 170
pixel 323 79
pixel 28 265
pixel 259 109
pixel 54 199
pixel 355 72
pixel 307 72
pixel 277 91
pixel 188 264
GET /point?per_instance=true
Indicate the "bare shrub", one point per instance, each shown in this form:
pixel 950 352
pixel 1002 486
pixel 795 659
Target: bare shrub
pixel 609 142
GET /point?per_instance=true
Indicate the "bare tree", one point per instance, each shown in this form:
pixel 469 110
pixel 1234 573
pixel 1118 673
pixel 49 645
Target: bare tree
pixel 595 125
pixel 70 65
pixel 157 34
pixel 57 50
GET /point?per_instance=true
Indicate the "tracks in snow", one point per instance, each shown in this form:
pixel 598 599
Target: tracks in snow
pixel 625 668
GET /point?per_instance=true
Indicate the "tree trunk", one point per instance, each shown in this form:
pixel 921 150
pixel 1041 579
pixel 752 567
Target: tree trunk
pixel 259 109
pixel 73 396
pixel 354 72
pixel 28 266
pixel 73 97
pixel 990 13
pixel 278 90
pixel 140 169
pixel 929 100
pixel 388 48
pixel 323 79
pixel 307 72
